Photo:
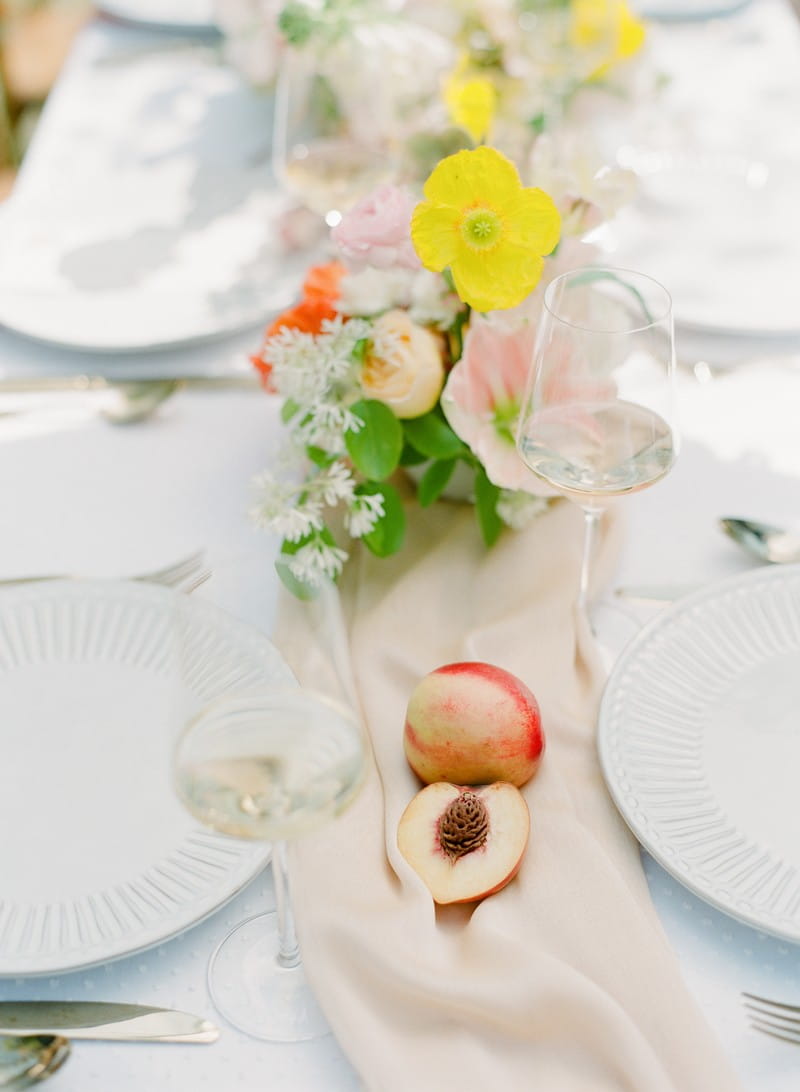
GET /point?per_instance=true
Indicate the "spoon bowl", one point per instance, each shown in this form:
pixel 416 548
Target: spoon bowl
pixel 28 1059
pixel 137 400
pixel 762 540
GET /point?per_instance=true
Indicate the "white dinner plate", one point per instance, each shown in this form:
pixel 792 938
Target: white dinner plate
pixel 721 232
pixel 683 11
pixel 699 739
pixel 170 14
pixel 99 859
pixel 166 226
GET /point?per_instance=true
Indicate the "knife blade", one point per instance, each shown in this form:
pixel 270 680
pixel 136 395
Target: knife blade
pixel 107 1020
pixel 45 384
pixel 656 594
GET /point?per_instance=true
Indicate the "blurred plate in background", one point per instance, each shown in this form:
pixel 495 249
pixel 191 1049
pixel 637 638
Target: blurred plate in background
pixel 721 231
pixel 146 213
pixel 170 14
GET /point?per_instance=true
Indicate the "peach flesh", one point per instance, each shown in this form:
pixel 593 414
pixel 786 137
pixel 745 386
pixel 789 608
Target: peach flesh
pixel 479 872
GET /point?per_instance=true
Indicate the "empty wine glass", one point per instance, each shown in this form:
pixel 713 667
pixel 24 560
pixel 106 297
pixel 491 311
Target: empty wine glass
pixel 597 417
pixel 346 105
pixel 561 46
pixel 272 764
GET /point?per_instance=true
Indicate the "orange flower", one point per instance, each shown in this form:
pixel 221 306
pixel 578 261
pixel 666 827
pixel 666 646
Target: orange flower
pixel 322 281
pixel 320 289
pixel 307 316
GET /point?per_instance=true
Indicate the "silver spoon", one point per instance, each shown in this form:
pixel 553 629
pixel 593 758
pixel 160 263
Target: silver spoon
pixel 762 540
pixel 137 400
pixel 127 402
pixel 29 1059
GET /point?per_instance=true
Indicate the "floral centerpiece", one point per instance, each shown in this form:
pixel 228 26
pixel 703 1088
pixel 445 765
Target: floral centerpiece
pixel 410 352
pixel 505 69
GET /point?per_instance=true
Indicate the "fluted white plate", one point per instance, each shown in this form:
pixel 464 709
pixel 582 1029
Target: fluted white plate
pixel 99 859
pixel 699 739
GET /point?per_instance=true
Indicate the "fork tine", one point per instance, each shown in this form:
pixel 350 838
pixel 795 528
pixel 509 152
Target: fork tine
pixel 785 1034
pixel 173 574
pixel 195 582
pixel 775 1019
pixel 771 1004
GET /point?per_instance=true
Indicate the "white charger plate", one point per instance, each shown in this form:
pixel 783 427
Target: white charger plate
pixel 96 680
pixel 699 740
pixel 721 232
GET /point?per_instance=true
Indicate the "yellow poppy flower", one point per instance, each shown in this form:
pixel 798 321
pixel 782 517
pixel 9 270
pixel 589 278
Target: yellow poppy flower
pixel 607 22
pixel 493 233
pixel 471 103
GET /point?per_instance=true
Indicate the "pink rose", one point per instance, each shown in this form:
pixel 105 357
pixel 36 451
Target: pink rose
pixel 482 397
pixel 377 231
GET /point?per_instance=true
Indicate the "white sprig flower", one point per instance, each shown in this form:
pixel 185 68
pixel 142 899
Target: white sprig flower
pixel 298 371
pixel 388 345
pixel 338 341
pixel 364 512
pixel 286 508
pixel 373 291
pixel 432 301
pixel 317 562
pixel 315 369
pixel 335 483
pixel 517 508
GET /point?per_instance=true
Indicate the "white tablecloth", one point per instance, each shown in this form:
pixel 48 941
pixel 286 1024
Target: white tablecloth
pixel 82 495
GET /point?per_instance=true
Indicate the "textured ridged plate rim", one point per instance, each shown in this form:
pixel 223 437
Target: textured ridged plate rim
pixel 223 866
pixel 613 734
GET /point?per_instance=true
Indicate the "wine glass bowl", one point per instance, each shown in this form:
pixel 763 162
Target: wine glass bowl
pixel 269 764
pixel 332 132
pixel 597 417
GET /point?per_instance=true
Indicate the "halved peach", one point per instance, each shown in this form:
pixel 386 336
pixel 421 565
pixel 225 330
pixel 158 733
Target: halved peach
pixel 465 842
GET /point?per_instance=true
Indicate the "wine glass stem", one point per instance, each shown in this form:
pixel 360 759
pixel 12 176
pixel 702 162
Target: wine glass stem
pixel 288 949
pixel 591 515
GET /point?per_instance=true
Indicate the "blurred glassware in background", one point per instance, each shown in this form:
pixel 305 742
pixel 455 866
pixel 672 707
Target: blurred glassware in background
pixel 354 84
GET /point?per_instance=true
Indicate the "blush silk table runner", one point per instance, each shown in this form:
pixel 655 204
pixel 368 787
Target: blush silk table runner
pixel 563 980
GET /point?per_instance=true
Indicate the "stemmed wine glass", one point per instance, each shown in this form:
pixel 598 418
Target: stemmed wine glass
pixel 271 764
pixel 332 130
pixel 597 417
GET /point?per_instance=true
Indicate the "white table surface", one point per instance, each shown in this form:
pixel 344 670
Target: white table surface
pixel 82 495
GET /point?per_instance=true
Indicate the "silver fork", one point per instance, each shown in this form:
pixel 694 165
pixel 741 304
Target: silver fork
pixel 186 575
pixel 776 1018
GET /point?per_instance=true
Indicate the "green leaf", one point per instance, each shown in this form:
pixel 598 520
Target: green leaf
pixel 409 456
pixel 375 449
pixel 296 24
pixel 298 588
pixel 319 457
pixel 434 480
pixel 432 436
pixel 360 350
pixel 486 497
pixel 288 410
pixel 388 534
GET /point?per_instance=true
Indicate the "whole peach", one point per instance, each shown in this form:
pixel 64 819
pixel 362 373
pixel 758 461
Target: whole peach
pixel 473 723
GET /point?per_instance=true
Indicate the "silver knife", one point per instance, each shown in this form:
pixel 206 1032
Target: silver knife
pixel 44 384
pixel 104 1020
pixel 656 594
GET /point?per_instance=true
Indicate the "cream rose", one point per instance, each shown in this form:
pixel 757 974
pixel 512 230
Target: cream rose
pixel 403 367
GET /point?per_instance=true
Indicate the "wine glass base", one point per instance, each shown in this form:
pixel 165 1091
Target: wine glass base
pixel 255 993
pixel 613 629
